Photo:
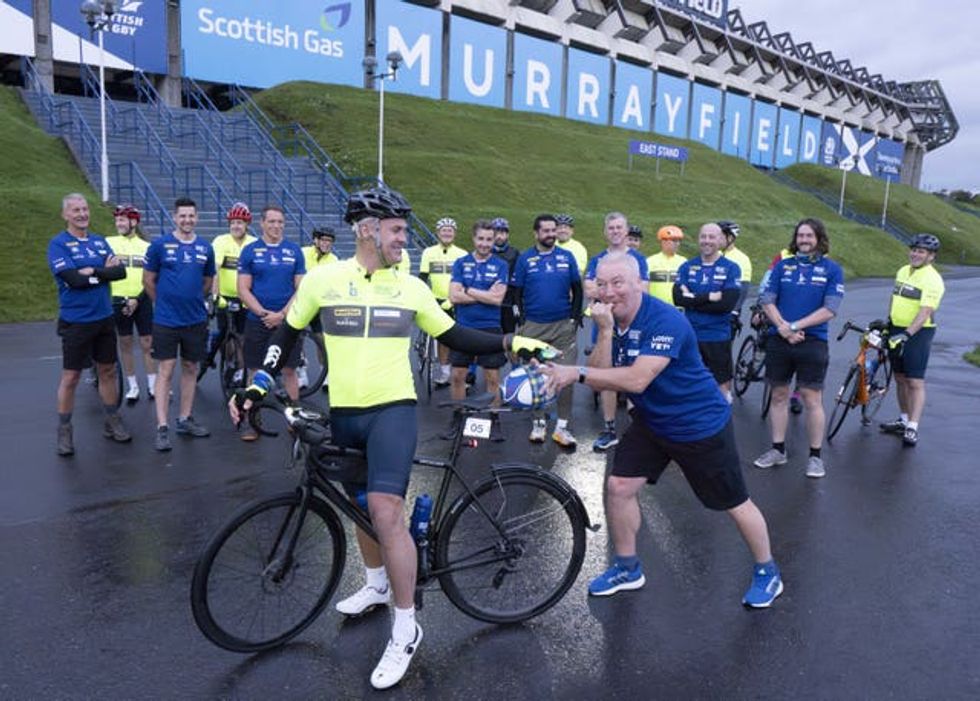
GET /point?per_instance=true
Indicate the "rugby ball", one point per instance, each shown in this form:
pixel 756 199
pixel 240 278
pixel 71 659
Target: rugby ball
pixel 524 388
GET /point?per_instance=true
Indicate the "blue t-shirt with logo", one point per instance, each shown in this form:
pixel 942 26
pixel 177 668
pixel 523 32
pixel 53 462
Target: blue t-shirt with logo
pixel 703 278
pixel 590 269
pixel 799 286
pixel 683 403
pixel 480 275
pixel 181 269
pixel 272 267
pixel 67 252
pixel 546 279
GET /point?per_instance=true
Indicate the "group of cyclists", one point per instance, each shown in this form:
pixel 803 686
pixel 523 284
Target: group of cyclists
pixel 661 332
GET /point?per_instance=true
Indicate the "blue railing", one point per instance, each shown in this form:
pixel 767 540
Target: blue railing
pixel 199 183
pixel 266 186
pixel 130 185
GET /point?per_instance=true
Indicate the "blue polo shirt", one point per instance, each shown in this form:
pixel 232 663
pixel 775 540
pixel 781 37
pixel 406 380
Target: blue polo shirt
pixel 181 269
pixel 67 252
pixel 799 286
pixel 590 269
pixel 683 403
pixel 469 272
pixel 272 267
pixel 704 278
pixel 546 279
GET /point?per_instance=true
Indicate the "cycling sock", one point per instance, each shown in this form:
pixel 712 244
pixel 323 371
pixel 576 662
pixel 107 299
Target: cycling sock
pixel 131 379
pixel 151 380
pixel 814 452
pixel 562 423
pixel 64 418
pixel 611 425
pixel 914 425
pixel 403 627
pixel 377 577
pixel 109 409
pixel 904 417
pixel 630 562
pixel 781 447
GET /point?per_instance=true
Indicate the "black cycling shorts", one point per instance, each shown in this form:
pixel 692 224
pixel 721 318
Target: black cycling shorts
pixel 141 318
pixel 808 360
pixel 490 361
pixel 85 341
pixel 190 342
pixel 914 356
pixel 710 465
pixel 717 357
pixel 257 338
pixel 388 435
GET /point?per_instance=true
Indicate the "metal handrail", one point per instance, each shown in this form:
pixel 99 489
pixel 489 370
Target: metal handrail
pixel 156 146
pixel 145 89
pixel 195 96
pixel 199 183
pixel 87 147
pixel 136 188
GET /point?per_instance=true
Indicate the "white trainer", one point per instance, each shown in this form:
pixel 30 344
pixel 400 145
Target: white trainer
pixel 539 429
pixel 363 600
pixel 132 394
pixel 394 662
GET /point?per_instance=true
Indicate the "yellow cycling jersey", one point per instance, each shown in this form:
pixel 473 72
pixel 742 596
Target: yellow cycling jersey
pixel 313 257
pixel 226 252
pixel 367 325
pixel 579 252
pixel 743 262
pixel 438 261
pixel 405 264
pixel 663 275
pixel 131 250
pixel 915 288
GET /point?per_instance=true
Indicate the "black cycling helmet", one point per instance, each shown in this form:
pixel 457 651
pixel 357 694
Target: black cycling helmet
pixel 635 231
pixel 324 232
pixel 729 228
pixel 926 241
pixel 379 201
pixel 564 220
pixel 500 224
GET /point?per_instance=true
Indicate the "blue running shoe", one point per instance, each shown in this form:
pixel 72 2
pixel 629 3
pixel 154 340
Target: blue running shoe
pixel 766 586
pixel 615 579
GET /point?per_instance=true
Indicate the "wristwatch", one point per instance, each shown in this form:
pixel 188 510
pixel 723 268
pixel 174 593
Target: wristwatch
pixel 583 372
pixel 793 327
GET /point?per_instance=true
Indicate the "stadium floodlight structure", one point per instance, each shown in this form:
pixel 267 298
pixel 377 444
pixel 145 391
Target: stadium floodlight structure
pixel 98 14
pixel 370 63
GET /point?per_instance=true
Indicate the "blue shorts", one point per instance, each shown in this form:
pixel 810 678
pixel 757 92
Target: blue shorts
pixel 914 357
pixel 388 435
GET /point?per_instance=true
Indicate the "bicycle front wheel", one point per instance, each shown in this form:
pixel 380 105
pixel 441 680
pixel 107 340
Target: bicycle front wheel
pixel 512 551
pixel 843 402
pixel 878 385
pixel 268 573
pixel 231 368
pixel 744 366
pixel 313 359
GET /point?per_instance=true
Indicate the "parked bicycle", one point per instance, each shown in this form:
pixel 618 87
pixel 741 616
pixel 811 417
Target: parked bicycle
pixel 750 363
pixel 503 550
pixel 868 379
pixel 426 357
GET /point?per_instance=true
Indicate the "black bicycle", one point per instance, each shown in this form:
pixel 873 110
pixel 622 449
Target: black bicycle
pixel 426 357
pixel 750 363
pixel 503 550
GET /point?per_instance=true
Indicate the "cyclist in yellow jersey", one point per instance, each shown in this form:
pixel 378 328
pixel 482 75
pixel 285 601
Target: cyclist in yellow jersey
pixel 436 269
pixel 224 290
pixel 130 305
pixel 918 290
pixel 565 233
pixel 368 310
pixel 663 266
pixel 320 252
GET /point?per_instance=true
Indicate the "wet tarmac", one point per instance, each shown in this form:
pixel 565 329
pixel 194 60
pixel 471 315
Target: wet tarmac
pixel 881 560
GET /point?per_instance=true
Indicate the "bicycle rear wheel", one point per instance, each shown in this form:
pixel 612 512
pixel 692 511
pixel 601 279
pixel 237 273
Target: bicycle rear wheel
pixel 313 358
pixel 843 402
pixel 231 368
pixel 250 590
pixel 878 385
pixel 744 366
pixel 515 557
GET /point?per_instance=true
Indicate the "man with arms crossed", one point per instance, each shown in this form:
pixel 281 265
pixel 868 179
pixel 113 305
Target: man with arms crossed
pixel 647 349
pixel 369 311
pixel 800 296
pixel 83 265
pixel 178 274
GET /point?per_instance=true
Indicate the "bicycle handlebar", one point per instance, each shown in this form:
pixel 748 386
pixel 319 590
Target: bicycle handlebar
pixel 850 326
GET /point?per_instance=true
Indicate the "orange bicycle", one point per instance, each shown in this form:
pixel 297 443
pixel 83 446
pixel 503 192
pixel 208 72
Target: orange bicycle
pixel 868 378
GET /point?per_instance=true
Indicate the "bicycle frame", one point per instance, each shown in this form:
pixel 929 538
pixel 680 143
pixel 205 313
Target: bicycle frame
pixel 866 344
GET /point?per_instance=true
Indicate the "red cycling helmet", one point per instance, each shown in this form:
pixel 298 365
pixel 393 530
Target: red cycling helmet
pixel 240 210
pixel 127 210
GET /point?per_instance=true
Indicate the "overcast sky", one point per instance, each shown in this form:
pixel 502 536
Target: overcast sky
pixel 904 40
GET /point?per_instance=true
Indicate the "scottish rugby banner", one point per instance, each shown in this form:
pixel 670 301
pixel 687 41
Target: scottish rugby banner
pixel 673 100
pixel 634 90
pixel 706 115
pixel 136 36
pixel 588 87
pixel 737 125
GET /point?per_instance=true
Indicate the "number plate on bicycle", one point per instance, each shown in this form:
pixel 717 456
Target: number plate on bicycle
pixel 476 428
pixel 874 339
pixel 234 306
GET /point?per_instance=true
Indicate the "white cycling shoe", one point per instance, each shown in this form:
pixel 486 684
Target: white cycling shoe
pixel 394 662
pixel 363 600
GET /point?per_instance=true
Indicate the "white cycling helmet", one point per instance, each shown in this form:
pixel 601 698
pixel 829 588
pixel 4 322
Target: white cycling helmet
pixel 447 221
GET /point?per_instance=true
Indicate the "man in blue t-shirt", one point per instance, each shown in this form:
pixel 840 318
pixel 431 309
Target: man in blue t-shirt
pixel 83 265
pixel 801 294
pixel 177 276
pixel 548 293
pixel 269 271
pixel 617 240
pixel 707 289
pixel 647 349
pixel 476 289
